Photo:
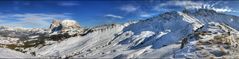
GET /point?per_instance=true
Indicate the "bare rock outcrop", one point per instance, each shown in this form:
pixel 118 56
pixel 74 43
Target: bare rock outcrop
pixel 70 27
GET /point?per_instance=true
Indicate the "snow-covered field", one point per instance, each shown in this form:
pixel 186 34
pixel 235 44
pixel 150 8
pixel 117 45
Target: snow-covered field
pixel 203 34
pixel 7 53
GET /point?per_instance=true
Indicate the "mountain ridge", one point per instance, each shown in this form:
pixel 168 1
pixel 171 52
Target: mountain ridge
pixel 168 35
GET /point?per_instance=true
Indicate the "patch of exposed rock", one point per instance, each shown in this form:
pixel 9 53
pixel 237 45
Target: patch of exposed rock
pixel 70 27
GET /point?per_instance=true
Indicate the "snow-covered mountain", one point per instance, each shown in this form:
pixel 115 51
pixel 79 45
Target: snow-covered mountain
pixel 188 34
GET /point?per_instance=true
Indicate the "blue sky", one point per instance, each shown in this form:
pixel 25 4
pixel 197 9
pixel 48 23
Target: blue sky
pixel 91 13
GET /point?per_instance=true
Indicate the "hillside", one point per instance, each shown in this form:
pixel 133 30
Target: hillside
pixel 182 34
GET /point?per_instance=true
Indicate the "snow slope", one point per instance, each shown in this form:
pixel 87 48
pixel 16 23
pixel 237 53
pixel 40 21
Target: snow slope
pixel 7 53
pixel 142 39
pixel 156 37
pixel 218 43
pixel 74 45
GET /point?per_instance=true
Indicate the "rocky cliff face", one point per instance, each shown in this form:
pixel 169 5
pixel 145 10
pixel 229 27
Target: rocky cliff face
pixel 55 26
pixel 70 27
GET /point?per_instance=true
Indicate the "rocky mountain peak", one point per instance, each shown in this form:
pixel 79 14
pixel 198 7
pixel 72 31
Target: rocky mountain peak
pixel 65 26
pixel 54 24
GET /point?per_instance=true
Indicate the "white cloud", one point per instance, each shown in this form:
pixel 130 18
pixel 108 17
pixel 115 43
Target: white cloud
pixel 145 14
pixel 113 16
pixel 36 20
pixel 1 21
pixel 38 16
pixel 67 3
pixel 190 4
pixel 193 5
pixel 129 8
